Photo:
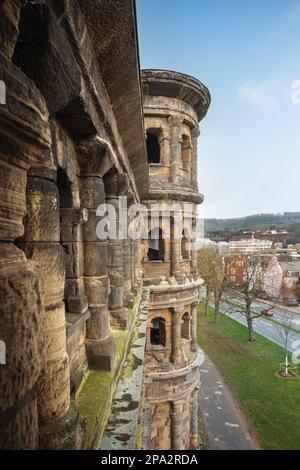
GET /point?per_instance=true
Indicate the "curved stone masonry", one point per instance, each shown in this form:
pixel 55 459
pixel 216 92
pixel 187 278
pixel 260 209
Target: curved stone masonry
pixel 174 103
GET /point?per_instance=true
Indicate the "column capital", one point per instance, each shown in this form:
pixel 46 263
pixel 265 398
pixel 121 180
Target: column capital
pixel 175 120
pixel 195 132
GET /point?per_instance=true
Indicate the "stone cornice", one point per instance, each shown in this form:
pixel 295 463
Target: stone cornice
pixel 177 85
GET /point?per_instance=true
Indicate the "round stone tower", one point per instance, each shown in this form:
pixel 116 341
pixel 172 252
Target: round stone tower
pixel 174 104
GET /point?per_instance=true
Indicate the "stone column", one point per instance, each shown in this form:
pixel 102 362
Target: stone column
pixel 72 242
pixel 194 343
pixel 175 143
pixel 175 253
pixel 194 440
pixel 116 186
pixel 127 265
pixel 164 143
pixel 117 311
pixel 176 425
pixel 135 264
pixel 22 318
pixel 194 252
pixel 99 345
pixel 41 243
pixel 176 334
pixel 195 134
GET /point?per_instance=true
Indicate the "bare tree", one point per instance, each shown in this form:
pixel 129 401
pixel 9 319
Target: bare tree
pixel 211 269
pixel 286 332
pixel 240 296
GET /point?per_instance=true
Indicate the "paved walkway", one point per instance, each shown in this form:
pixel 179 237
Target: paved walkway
pixel 225 426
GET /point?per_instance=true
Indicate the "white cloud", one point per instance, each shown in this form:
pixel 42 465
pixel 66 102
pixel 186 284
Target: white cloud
pixel 265 94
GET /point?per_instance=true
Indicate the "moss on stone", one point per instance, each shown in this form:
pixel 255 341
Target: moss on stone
pixel 61 433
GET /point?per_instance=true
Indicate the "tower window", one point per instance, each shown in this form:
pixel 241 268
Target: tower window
pixel 156 248
pixel 158 331
pixel 185 326
pixel 153 149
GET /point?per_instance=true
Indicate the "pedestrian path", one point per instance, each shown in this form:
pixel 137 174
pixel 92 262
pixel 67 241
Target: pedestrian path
pixel 224 423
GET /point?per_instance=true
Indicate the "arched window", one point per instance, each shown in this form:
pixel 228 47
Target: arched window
pixel 153 148
pixel 156 246
pixel 185 245
pixel 186 154
pixel 185 326
pixel 158 331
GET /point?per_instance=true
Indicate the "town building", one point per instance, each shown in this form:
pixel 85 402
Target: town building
pixel 282 278
pixel 236 267
pixel 98 345
pixel 248 246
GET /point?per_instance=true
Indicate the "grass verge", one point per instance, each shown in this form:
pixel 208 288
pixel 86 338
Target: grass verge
pixel 270 403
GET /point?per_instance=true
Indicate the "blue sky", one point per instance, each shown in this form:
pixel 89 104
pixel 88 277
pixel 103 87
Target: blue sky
pixel 248 54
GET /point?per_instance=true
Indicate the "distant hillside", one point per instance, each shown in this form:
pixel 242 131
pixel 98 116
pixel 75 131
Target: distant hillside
pixel 253 222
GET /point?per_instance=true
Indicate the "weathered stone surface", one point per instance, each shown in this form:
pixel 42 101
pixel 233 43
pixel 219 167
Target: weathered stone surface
pixel 97 324
pixel 101 353
pixel 44 54
pixel 9 25
pixel 21 329
pixel 42 218
pixel 50 258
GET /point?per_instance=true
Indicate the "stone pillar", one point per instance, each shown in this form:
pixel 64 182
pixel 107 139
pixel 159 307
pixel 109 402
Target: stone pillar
pixel 136 264
pixel 22 316
pixel 41 243
pixel 117 311
pixel 99 345
pixel 164 143
pixel 194 343
pixel 127 267
pixel 175 254
pixel 194 440
pixel 195 134
pixel 72 242
pixel 116 187
pixel 176 334
pixel 176 425
pixel 175 143
pixel 194 252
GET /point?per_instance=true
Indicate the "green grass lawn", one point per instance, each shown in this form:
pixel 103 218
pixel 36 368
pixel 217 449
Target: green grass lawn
pixel 271 403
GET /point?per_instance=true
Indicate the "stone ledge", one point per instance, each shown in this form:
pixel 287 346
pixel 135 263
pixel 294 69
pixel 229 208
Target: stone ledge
pixel 122 430
pixel 94 399
pixel 177 372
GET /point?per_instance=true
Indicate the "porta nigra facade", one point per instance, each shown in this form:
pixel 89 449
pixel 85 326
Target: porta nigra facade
pixel 98 341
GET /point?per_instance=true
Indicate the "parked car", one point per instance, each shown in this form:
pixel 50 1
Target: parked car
pixel 268 312
pixel 292 303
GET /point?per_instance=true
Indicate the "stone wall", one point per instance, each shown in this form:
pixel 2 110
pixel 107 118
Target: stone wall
pixel 66 148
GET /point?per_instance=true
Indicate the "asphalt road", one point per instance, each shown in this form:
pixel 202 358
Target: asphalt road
pixel 225 426
pixel 267 328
